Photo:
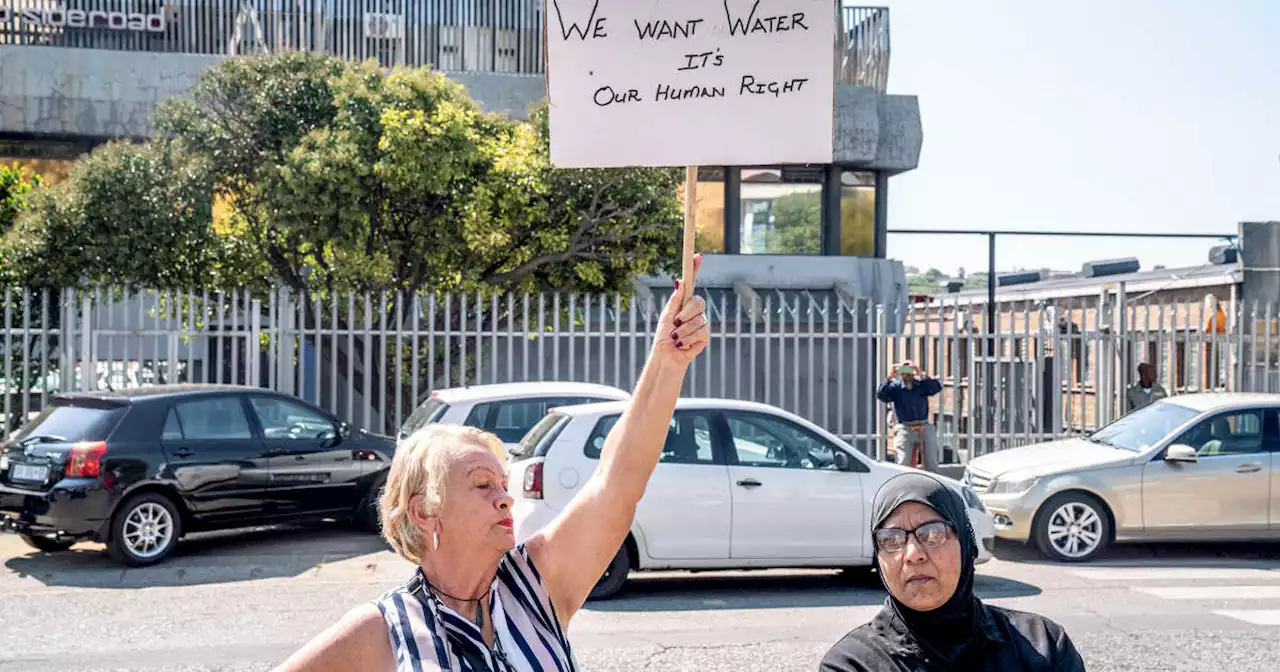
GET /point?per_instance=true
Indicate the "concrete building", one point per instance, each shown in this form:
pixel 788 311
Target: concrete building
pixel 73 75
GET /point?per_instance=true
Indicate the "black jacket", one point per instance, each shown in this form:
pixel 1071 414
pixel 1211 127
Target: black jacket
pixel 1012 641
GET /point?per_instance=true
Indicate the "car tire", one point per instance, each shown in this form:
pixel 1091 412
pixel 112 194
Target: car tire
pixel 47 544
pixel 614 577
pixel 1072 527
pixel 144 530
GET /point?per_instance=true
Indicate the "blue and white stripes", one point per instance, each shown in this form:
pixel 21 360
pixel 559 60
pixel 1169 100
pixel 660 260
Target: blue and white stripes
pixel 427 636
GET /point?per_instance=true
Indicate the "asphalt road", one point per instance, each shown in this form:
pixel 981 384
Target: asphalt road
pixel 241 602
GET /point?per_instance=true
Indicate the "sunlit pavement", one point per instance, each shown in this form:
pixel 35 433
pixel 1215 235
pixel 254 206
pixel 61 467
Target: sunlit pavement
pixel 242 601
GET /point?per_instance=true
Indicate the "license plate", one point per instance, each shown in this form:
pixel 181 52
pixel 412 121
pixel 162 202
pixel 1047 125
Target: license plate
pixel 28 472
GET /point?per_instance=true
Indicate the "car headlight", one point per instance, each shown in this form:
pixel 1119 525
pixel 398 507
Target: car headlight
pixel 971 499
pixel 1012 487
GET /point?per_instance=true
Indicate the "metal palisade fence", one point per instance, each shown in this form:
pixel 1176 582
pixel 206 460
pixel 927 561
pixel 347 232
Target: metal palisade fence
pixel 1052 369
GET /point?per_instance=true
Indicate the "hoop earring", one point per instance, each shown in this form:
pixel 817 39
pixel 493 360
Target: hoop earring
pixel 435 541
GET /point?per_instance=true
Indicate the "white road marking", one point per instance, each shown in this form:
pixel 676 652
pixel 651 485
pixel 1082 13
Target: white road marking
pixel 1254 616
pixel 1271 592
pixel 1178 574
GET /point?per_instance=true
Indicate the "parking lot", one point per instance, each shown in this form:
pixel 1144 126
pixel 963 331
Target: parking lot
pixel 242 601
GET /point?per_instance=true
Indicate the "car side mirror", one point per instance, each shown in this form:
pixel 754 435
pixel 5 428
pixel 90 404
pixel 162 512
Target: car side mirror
pixel 1180 452
pixel 843 461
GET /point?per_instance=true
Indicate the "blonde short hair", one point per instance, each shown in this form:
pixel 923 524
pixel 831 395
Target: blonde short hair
pixel 421 467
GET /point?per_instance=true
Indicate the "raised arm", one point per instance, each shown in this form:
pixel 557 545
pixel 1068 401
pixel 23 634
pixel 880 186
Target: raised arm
pixel 885 393
pixel 931 386
pixel 573 551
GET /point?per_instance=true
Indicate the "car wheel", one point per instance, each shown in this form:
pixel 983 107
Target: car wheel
pixel 47 544
pixel 614 577
pixel 144 530
pixel 1073 527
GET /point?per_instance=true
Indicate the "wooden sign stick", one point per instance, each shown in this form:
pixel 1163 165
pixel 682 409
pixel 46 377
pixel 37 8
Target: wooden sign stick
pixel 690 214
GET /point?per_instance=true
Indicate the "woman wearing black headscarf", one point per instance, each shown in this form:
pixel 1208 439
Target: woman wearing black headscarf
pixel 932 620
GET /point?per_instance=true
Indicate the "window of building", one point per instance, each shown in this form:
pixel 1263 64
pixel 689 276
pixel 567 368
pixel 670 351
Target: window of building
pixel 709 212
pixel 857 214
pixel 781 210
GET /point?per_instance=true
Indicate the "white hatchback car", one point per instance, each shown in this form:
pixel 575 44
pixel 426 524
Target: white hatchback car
pixel 509 410
pixel 739 485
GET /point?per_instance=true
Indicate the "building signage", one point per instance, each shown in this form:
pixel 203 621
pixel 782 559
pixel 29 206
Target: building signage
pixel 85 18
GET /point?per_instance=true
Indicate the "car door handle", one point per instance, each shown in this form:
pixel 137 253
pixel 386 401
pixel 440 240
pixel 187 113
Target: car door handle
pixel 183 452
pixel 1248 468
pixel 749 483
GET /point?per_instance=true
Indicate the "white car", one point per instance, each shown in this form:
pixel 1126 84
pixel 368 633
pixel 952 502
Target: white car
pixel 739 485
pixel 509 410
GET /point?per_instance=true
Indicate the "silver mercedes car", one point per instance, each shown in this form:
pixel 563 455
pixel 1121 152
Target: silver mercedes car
pixel 1195 467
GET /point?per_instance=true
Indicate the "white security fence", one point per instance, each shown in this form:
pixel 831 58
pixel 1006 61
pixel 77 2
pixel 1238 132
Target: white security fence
pixel 1050 370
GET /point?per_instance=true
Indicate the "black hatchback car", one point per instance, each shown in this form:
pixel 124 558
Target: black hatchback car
pixel 139 468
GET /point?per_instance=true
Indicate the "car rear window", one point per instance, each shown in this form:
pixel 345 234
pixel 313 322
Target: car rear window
pixel 539 439
pixel 74 420
pixel 427 413
pixel 596 442
pixel 512 419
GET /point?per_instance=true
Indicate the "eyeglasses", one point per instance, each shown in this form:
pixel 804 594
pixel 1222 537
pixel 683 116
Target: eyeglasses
pixel 930 535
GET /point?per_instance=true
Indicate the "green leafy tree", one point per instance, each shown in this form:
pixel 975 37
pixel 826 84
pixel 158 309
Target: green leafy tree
pixel 126 214
pixel 346 178
pixel 349 178
pixel 16 188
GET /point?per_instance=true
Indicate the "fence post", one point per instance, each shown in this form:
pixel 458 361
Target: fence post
pixel 173 317
pixel 253 347
pixel 1124 349
pixel 1104 360
pixel 89 366
pixel 284 351
pixel 880 373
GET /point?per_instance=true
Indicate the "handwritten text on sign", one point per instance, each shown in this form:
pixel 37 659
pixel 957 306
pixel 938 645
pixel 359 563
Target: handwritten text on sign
pixel 690 82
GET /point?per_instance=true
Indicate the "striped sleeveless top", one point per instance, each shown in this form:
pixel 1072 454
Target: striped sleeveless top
pixel 427 636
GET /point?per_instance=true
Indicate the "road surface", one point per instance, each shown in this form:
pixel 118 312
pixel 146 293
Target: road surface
pixel 240 602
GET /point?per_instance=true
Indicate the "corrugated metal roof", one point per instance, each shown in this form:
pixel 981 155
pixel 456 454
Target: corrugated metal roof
pixel 1207 275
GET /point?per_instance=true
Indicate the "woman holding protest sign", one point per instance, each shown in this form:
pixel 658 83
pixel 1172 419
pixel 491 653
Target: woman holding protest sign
pixel 479 601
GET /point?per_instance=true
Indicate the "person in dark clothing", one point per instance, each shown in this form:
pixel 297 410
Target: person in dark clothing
pixel 925 554
pixel 908 391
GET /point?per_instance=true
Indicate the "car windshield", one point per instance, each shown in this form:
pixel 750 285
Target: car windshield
pixel 427 413
pixel 535 436
pixel 1144 427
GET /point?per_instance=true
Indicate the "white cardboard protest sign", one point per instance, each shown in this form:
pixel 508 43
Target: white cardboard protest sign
pixel 690 82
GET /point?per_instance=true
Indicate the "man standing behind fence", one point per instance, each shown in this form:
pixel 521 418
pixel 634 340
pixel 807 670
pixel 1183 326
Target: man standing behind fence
pixel 1146 390
pixel 908 389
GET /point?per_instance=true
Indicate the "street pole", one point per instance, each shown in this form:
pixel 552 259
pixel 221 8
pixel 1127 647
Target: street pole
pixel 991 294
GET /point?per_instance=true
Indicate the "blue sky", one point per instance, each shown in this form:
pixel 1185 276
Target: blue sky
pixel 1127 115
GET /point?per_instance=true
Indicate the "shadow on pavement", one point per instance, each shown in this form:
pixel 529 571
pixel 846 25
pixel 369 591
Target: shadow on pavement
pixel 206 558
pixel 694 592
pixel 1223 555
